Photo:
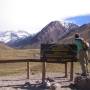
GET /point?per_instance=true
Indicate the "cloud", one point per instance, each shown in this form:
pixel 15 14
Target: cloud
pixel 33 15
pixel 80 20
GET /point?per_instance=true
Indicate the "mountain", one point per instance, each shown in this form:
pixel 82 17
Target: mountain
pixel 51 33
pixel 20 43
pixel 8 36
pixel 83 30
pixel 3 46
pixel 54 32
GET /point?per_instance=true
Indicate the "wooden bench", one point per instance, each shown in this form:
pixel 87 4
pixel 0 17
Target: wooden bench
pixel 58 53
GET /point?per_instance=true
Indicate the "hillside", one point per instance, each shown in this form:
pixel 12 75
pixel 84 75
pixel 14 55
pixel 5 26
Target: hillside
pixel 8 53
pixel 19 43
pixel 83 30
pixel 51 33
pixel 3 46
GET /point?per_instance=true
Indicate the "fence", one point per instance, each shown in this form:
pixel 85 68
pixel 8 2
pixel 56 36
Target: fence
pixel 27 61
pixel 43 67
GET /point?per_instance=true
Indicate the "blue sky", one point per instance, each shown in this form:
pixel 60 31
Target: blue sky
pixel 33 15
pixel 80 20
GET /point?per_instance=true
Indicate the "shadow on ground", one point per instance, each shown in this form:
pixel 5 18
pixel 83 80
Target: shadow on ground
pixel 28 86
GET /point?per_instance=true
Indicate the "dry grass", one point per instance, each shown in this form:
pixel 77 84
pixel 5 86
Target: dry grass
pixel 18 54
pixel 17 68
pixel 11 54
pixel 14 68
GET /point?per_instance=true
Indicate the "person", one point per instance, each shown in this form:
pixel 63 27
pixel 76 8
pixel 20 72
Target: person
pixel 82 54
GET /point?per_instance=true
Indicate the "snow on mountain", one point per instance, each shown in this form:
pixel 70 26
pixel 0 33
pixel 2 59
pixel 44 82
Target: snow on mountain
pixel 51 33
pixel 68 26
pixel 6 36
pixel 22 34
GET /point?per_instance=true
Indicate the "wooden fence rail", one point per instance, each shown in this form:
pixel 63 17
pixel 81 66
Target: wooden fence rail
pixel 43 67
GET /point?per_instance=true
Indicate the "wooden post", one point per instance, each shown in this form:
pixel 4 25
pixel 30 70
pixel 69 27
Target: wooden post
pixel 43 71
pixel 71 71
pixel 28 70
pixel 65 69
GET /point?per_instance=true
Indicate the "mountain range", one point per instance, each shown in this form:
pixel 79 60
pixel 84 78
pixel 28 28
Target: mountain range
pixel 9 36
pixel 54 32
pixel 83 30
pixel 59 32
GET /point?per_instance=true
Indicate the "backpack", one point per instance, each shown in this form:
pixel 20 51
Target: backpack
pixel 85 45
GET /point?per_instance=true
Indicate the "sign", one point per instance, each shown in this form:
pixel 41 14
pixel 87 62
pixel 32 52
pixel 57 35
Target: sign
pixel 58 52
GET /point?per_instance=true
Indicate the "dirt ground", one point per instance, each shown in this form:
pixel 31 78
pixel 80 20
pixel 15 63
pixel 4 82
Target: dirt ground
pixel 19 82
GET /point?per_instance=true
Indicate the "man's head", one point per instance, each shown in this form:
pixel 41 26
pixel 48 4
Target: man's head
pixel 77 35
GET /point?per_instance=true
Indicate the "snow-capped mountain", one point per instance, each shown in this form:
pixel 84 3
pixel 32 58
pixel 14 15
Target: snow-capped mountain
pixel 68 25
pixel 51 33
pixel 7 36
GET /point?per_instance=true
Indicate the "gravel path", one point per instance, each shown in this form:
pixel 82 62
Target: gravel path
pixel 19 82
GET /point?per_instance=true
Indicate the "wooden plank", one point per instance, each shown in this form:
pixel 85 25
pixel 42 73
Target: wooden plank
pixel 20 60
pixel 28 70
pixel 43 72
pixel 62 52
pixel 71 71
pixel 66 70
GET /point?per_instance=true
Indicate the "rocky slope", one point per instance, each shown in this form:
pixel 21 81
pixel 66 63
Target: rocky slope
pixel 84 32
pixel 51 33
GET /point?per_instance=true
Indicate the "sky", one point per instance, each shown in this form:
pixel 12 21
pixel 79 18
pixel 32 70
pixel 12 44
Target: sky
pixel 33 15
pixel 79 20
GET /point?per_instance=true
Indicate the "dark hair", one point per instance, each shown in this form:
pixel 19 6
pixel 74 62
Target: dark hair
pixel 77 35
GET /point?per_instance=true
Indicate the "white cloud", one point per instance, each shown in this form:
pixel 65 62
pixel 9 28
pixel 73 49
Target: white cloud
pixel 35 14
